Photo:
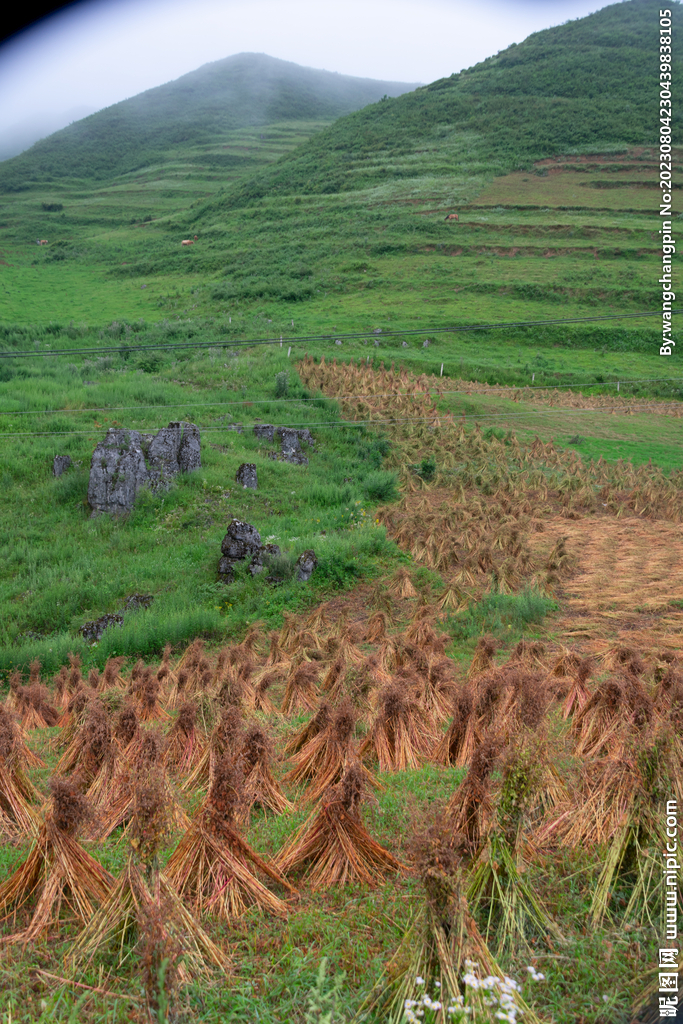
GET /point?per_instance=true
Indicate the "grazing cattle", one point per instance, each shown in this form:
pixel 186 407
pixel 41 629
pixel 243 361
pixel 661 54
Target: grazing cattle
pixel 187 241
pixel 452 216
pixel 41 241
pixel 196 237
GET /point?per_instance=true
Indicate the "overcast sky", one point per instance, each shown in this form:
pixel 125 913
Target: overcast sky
pixel 96 52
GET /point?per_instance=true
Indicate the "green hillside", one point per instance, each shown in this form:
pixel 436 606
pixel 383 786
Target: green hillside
pixel 583 84
pixel 246 90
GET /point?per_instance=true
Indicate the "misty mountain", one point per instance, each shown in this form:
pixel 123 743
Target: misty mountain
pixel 592 82
pixel 244 90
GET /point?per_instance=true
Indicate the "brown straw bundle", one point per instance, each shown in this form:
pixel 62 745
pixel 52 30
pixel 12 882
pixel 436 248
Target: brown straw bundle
pixel 319 721
pixel 35 708
pixel 91 744
pixel 143 894
pixel 470 809
pixel 301 690
pixel 57 872
pixel 116 800
pixel 325 757
pixel 260 787
pixel 225 739
pixel 578 693
pixel 616 707
pixel 402 734
pixel 458 743
pixel 213 866
pixel 442 948
pixel 17 792
pixel 334 845
pixel 185 741
pixel 484 654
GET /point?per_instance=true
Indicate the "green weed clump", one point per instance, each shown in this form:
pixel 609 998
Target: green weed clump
pixel 281 384
pixel 501 613
pixel 381 486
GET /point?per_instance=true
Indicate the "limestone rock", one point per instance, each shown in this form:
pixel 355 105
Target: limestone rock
pixel 226 573
pixel 190 449
pixel 241 541
pixel 127 460
pixel 247 476
pixel 289 440
pixel 117 472
pixel 175 449
pixel 137 601
pixel 256 564
pixel 61 464
pixel 289 446
pixel 92 631
pixel 305 564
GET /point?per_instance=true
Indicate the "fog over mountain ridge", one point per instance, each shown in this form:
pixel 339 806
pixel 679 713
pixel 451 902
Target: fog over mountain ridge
pixel 240 90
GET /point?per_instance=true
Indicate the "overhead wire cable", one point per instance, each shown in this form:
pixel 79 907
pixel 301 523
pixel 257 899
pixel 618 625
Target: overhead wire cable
pixel 227 343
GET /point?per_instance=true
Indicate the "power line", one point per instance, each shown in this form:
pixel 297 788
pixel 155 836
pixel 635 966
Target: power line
pixel 333 398
pixel 124 348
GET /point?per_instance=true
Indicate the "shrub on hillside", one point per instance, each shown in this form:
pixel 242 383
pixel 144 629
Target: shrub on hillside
pixel 381 486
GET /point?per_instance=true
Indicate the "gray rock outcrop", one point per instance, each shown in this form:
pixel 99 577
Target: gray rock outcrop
pixel 126 460
pixel 61 464
pixel 256 564
pixel 92 631
pixel 226 572
pixel 247 476
pixel 289 440
pixel 305 565
pixel 137 601
pixel 175 449
pixel 117 472
pixel 241 541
